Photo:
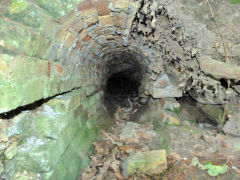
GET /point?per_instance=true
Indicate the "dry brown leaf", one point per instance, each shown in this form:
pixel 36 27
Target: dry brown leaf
pixel 88 173
pixel 173 158
pixel 143 136
pixel 126 148
pixel 115 166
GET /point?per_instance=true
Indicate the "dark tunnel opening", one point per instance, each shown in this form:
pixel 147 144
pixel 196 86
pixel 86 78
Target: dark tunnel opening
pixel 121 86
pixel 121 90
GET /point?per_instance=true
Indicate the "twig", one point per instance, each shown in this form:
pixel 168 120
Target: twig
pixel 226 60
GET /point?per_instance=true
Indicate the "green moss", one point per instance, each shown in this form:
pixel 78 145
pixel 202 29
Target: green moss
pixel 235 1
pixel 18 6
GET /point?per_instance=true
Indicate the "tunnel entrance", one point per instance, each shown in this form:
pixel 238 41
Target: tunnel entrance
pixel 121 87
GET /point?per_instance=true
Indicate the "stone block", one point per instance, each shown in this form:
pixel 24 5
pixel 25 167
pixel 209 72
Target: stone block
pixel 33 155
pixel 91 20
pixel 85 9
pixel 214 112
pixel 84 36
pixel 41 68
pixel 58 69
pixel 11 151
pixel 170 118
pixel 33 90
pixel 61 34
pixel 218 69
pixel 76 26
pixel 232 126
pixel 102 7
pixel 69 40
pixel 164 86
pixel 120 4
pixel 150 162
pixel 120 19
pixel 106 20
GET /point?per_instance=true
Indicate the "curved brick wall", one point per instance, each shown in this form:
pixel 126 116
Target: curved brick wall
pixel 52 47
pixel 55 58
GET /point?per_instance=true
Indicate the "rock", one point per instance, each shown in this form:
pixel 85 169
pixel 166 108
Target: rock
pixel 218 97
pixel 1 168
pixel 218 69
pixel 194 51
pixel 170 104
pixel 143 100
pixel 164 86
pixel 170 118
pixel 232 126
pixel 3 131
pixel 150 162
pixel 11 151
pixel 214 112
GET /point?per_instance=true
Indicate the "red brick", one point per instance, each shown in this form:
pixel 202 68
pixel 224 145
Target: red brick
pixel 84 36
pixel 92 20
pixel 78 45
pixel 102 7
pixel 58 68
pixel 86 8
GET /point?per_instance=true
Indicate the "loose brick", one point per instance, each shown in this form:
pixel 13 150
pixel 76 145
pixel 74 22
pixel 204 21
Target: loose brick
pixel 106 20
pixel 102 7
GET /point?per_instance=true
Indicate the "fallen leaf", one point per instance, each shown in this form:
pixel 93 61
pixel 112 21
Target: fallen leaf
pixel 143 136
pixel 126 148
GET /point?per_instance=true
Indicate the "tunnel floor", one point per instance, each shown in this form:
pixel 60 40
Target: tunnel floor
pixel 121 96
pixel 114 151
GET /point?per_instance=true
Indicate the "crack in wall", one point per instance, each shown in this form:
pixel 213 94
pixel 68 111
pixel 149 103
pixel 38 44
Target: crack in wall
pixel 36 104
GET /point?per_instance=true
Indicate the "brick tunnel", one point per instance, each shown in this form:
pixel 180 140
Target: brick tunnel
pixel 65 64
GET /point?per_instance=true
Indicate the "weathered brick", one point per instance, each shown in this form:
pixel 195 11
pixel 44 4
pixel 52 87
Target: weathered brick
pixel 69 40
pixel 84 36
pixel 120 19
pixel 85 8
pixel 76 25
pixel 60 36
pixel 120 4
pixel 97 31
pixel 102 7
pixel 78 45
pixel 58 69
pixel 106 20
pixel 93 19
pixel 41 68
